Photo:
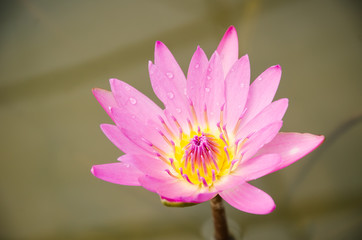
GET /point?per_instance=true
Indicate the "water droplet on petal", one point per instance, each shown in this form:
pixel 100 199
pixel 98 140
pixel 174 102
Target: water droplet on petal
pixel 209 69
pixel 197 65
pixel 242 85
pixel 207 89
pixel 133 100
pixel 208 77
pixel 185 91
pixel 127 88
pixel 259 78
pixel 170 95
pixel 169 75
pixel 178 110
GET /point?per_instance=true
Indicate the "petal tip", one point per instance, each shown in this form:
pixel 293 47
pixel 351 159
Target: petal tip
pixel 320 140
pixel 285 101
pixel 92 170
pixel 199 51
pixel 103 125
pixel 271 209
pixel 231 30
pixel 95 91
pixel 150 65
pixel 113 81
pixel 278 67
pixel 159 45
pixel 265 210
pixel 214 56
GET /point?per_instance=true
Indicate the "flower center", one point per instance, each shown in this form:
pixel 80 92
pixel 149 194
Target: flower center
pixel 201 159
pixel 201 155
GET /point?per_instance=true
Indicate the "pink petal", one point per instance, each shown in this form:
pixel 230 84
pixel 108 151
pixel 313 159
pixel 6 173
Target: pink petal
pixel 134 103
pixel 228 49
pixel 138 140
pixel 146 133
pixel 167 64
pixel 248 198
pixel 115 135
pixel 214 88
pixel 195 80
pixel 271 113
pixel 262 91
pixel 259 166
pixel 150 165
pixel 259 139
pixel 292 146
pixel 105 98
pixel 175 189
pixel 173 97
pixel 119 173
pixel 249 170
pixel 138 115
pixel 199 197
pixel 167 186
pixel 236 90
pixel 195 198
pixel 229 181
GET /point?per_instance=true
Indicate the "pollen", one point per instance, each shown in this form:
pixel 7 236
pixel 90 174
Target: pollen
pixel 202 157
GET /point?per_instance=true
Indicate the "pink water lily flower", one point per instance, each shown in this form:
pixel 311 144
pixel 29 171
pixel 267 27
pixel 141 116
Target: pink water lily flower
pixel 216 133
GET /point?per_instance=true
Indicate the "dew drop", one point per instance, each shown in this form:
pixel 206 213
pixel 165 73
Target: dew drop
pixel 170 95
pixel 208 77
pixel 178 110
pixel 185 91
pixel 169 75
pixel 209 69
pixel 259 78
pixel 127 88
pixel 207 89
pixel 197 65
pixel 133 100
pixel 242 85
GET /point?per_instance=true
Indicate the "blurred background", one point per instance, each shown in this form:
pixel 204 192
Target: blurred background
pixel 52 53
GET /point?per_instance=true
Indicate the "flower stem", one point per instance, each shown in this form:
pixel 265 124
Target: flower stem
pixel 221 231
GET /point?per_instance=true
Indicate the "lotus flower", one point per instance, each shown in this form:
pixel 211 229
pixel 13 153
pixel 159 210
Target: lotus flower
pixel 216 133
